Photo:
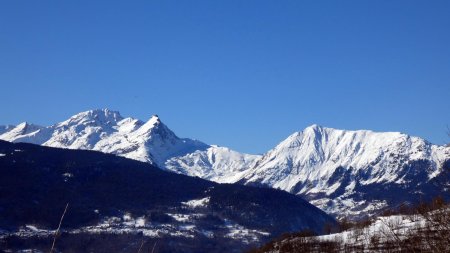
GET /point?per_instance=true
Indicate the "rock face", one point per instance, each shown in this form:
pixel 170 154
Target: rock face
pixel 346 173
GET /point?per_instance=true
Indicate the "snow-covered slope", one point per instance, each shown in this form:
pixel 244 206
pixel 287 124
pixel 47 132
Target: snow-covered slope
pixel 418 232
pixel 6 128
pixel 340 171
pixel 343 172
pixel 218 164
pixel 26 132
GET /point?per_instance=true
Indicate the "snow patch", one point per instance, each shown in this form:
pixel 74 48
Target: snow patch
pixel 196 203
pixel 180 217
pixel 237 231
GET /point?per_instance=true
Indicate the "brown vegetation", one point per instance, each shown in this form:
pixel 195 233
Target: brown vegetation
pixel 430 232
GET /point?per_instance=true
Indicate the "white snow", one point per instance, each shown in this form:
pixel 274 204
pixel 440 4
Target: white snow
pixel 237 231
pixel 67 175
pixel 26 132
pixel 127 217
pixel 128 225
pixel 382 226
pixel 216 163
pixel 184 227
pixel 140 222
pixel 361 239
pixel 195 203
pixel 32 228
pixel 180 217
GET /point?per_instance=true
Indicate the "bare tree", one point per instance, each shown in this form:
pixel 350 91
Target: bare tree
pixel 59 227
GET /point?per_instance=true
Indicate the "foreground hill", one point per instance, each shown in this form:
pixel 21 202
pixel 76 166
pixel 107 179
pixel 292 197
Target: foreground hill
pixel 425 228
pixel 116 203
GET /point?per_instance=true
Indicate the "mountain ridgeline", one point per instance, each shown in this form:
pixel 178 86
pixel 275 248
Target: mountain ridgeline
pixel 345 173
pixel 111 197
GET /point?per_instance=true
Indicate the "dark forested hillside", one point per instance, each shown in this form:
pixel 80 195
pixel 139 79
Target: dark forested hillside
pixel 113 197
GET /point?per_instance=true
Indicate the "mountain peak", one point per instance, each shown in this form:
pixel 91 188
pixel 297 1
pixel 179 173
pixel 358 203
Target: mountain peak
pixel 22 125
pixel 105 112
pixel 154 120
pixel 314 126
pixel 152 123
pixel 155 126
pixel 320 128
pixel 101 116
pixel 315 131
pixel 27 127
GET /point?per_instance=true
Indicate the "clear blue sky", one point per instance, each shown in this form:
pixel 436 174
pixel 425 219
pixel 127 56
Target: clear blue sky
pixel 242 74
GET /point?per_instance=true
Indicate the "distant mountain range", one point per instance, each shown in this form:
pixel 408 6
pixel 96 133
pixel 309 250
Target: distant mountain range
pixel 116 204
pixel 345 173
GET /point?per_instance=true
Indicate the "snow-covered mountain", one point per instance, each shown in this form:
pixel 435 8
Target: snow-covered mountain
pixel 353 172
pixel 151 141
pixel 342 172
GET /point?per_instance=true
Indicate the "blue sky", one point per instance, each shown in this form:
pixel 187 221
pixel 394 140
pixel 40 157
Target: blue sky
pixel 242 74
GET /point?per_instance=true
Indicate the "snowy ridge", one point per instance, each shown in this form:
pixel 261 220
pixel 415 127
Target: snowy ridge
pixel 218 164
